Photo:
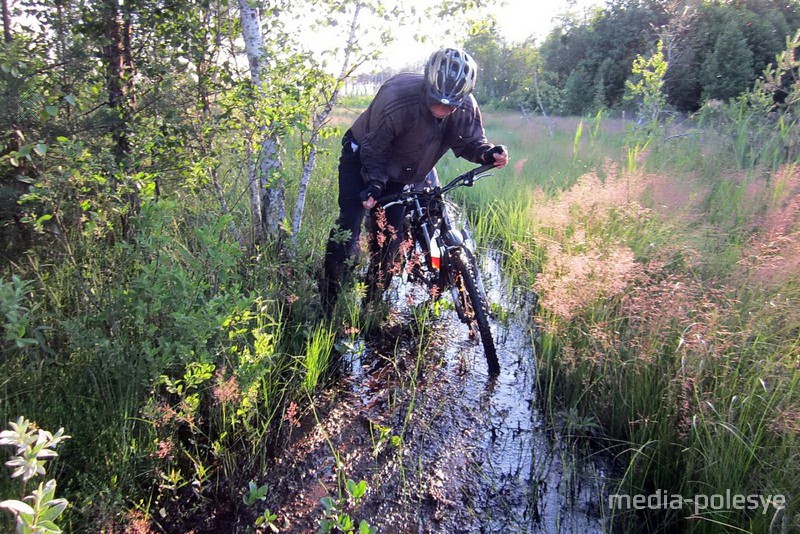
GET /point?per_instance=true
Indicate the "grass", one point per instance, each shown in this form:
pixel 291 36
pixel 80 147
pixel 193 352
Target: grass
pixel 665 271
pixel 318 351
pixel 664 313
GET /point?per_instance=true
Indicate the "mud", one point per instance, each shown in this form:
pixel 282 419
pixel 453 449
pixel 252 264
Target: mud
pixel 441 445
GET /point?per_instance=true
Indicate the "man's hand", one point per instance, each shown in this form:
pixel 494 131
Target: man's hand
pixel 370 194
pixel 498 155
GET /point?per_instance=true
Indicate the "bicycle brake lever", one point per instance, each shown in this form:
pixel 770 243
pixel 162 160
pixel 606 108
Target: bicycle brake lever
pixel 393 203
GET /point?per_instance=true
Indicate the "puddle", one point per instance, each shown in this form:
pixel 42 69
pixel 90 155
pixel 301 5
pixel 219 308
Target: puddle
pixel 523 477
pixel 475 453
pixel 485 459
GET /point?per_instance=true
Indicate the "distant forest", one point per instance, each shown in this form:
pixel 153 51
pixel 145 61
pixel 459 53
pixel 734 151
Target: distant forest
pixel 715 50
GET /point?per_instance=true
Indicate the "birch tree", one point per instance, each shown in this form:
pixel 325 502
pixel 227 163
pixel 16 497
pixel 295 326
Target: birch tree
pixel 319 120
pixel 365 42
pixel 267 189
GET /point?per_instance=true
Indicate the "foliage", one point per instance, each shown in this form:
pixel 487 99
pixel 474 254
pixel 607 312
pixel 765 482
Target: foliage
pixel 760 125
pixel 125 288
pixel 34 447
pixel 728 70
pixel 16 313
pixel 257 493
pixel 485 43
pixel 334 517
pixel 713 50
pixel 647 85
pixel 130 288
pixel 665 304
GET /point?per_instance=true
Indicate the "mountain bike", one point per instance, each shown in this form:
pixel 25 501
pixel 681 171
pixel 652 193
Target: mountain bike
pixel 435 253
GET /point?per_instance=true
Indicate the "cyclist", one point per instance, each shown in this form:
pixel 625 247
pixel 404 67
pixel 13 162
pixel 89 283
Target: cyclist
pixel 411 123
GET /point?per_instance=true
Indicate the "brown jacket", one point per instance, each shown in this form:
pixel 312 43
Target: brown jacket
pixel 401 141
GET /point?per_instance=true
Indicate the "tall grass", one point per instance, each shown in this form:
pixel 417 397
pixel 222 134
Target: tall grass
pixel 316 362
pixel 667 312
pixel 170 359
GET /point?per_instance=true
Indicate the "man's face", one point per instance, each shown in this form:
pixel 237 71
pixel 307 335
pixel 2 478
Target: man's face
pixel 441 111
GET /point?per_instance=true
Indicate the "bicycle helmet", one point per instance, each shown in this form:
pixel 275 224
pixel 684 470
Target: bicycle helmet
pixel 451 75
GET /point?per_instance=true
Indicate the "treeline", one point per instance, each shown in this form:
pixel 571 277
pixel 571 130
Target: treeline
pixel 714 50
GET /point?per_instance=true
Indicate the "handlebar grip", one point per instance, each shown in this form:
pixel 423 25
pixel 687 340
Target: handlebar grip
pixel 496 149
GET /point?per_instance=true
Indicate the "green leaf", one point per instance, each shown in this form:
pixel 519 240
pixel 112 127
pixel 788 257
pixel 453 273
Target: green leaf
pixel 356 490
pixel 40 149
pixel 22 342
pixel 328 503
pixel 51 110
pixel 70 100
pixel 17 507
pixel 55 507
pixel 47 527
pixel 364 528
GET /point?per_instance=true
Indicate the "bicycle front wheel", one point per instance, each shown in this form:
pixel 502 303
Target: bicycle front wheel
pixel 472 302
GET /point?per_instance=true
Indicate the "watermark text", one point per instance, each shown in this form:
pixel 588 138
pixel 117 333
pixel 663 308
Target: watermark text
pixel 663 500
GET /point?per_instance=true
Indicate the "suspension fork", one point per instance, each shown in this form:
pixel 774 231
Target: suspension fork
pixel 429 236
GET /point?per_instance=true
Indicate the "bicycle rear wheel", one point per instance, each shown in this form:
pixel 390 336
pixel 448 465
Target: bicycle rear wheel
pixel 474 307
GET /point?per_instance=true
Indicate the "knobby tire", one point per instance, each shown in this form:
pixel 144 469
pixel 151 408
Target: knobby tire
pixel 467 282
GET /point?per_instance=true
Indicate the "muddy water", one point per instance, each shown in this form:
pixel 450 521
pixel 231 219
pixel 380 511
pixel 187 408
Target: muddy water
pixel 479 455
pixel 526 477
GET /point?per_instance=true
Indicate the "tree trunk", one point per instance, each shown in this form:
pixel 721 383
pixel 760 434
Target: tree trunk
pixel 7 38
pixel 267 202
pixel 118 59
pixel 273 190
pixel 319 120
pixel 114 58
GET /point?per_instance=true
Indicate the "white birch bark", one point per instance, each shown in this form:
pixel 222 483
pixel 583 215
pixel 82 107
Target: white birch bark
pixel 267 202
pixel 319 120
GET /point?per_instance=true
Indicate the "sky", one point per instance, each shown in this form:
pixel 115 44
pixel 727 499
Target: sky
pixel 517 19
pixel 538 17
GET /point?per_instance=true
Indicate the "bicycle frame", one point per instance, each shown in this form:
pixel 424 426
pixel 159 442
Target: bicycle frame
pixel 433 232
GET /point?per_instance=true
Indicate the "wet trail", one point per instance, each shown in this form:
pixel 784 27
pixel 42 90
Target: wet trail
pixel 491 461
pixel 473 453
pixel 523 476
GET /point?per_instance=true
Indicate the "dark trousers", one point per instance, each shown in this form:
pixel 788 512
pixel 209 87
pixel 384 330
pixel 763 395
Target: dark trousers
pixel 341 251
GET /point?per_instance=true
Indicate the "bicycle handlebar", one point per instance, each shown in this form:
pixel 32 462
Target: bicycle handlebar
pixel 465 179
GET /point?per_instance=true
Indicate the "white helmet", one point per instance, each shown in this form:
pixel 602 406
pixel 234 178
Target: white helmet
pixel 451 75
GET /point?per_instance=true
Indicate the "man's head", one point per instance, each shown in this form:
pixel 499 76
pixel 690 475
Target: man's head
pixel 451 75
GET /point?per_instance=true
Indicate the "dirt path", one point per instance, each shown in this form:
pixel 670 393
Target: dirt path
pixel 440 445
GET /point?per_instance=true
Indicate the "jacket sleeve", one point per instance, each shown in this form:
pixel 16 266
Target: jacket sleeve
pixel 469 139
pixel 376 144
